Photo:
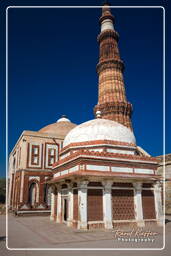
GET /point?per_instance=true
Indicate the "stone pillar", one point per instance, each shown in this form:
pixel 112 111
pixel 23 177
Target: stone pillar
pixel 59 206
pixel 70 206
pixel 55 206
pixel 107 204
pixel 52 205
pixel 138 204
pixel 82 205
pixel 22 187
pixel 158 204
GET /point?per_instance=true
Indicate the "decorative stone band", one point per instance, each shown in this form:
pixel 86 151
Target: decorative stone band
pixel 108 33
pixel 99 148
pixel 124 108
pixel 120 112
pixel 105 155
pixel 99 143
pixel 105 169
pixel 110 64
pixel 96 173
pixel 70 170
pixel 106 15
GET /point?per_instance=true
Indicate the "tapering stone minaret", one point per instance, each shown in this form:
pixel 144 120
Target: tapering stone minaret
pixel 112 102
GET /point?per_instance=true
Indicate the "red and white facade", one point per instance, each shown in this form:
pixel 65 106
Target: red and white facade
pixel 102 178
pixel 99 183
pixel 97 175
pixel 30 167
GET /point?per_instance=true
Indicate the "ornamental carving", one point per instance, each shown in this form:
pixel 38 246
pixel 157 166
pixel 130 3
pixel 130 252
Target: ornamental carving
pixel 121 200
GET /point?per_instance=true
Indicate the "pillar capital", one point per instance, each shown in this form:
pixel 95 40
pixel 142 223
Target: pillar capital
pixel 107 184
pixel 54 188
pixel 83 184
pixel 70 186
pixel 157 186
pixel 137 186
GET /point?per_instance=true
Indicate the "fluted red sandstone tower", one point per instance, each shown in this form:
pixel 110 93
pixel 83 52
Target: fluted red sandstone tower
pixel 112 102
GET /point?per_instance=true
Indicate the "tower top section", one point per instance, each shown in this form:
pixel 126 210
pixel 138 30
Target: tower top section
pixel 112 102
pixel 107 19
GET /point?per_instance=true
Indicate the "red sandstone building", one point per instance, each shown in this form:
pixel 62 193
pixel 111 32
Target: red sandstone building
pixel 97 175
pixel 30 166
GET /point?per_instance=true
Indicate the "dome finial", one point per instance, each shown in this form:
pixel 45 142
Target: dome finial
pixel 106 6
pixel 64 116
pixel 98 114
pixel 63 119
pixel 107 19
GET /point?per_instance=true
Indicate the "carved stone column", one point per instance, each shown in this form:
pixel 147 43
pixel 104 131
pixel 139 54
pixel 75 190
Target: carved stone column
pixel 52 206
pixel 59 206
pixel 70 210
pixel 82 205
pixel 107 204
pixel 53 198
pixel 158 203
pixel 138 204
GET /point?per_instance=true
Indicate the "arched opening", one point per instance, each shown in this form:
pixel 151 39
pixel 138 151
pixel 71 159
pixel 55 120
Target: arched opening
pixel 47 195
pixel 74 185
pixel 33 194
pixel 64 186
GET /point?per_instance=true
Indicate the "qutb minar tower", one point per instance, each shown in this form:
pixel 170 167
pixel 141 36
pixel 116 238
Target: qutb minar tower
pixel 112 102
pixel 91 175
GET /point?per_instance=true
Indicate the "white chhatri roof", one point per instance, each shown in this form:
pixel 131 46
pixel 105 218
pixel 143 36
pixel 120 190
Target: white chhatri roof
pixel 63 119
pixel 99 129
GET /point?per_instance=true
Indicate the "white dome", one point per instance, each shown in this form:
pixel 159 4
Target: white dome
pixel 99 129
pixel 63 119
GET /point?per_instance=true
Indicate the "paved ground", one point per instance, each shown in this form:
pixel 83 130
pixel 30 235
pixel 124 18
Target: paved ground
pixel 36 232
pixel 40 232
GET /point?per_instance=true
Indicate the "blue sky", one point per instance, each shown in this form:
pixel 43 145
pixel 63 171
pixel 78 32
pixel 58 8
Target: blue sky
pixel 52 67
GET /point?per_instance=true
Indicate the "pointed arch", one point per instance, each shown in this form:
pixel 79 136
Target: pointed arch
pixel 47 194
pixel 33 193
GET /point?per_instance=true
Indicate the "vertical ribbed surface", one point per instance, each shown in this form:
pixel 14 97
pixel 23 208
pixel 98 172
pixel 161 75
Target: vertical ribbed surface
pixel 112 100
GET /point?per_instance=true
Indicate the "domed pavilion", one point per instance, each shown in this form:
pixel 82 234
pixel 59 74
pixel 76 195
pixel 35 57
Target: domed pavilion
pixel 102 178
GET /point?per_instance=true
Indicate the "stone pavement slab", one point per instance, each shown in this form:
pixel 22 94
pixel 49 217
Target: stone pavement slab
pixel 5 252
pixel 40 232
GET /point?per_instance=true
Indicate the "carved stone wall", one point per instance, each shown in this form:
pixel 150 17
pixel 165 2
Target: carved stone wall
pixel 95 205
pixel 123 204
pixel 148 204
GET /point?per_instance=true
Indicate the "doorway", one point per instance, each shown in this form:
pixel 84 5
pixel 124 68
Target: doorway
pixel 65 209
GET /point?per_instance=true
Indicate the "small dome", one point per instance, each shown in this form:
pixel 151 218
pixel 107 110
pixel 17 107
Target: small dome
pixel 63 119
pixel 61 127
pixel 100 129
